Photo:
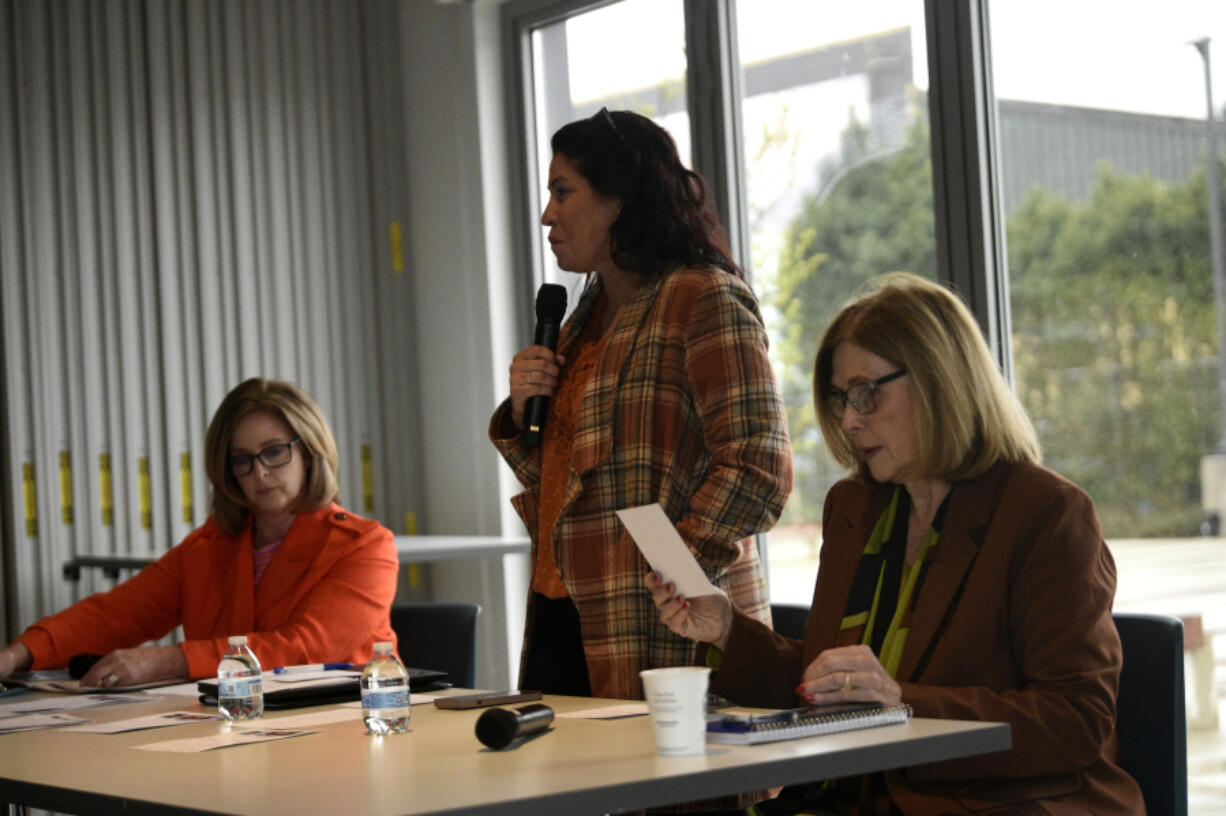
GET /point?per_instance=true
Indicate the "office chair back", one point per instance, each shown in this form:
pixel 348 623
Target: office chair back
pixel 439 635
pixel 1149 712
pixel 789 619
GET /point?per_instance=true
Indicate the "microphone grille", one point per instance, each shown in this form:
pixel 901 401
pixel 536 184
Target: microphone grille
pixel 496 727
pixel 550 302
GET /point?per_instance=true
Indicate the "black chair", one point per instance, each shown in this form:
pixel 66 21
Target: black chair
pixel 1149 713
pixel 439 635
pixel 790 619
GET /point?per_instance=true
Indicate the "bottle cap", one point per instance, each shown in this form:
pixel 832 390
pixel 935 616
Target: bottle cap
pixel 238 640
pixel 383 647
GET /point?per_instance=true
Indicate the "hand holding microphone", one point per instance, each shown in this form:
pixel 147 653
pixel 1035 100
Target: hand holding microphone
pixel 535 370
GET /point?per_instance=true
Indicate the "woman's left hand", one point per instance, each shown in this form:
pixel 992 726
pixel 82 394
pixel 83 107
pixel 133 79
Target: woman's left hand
pixel 848 674
pixel 707 618
pixel 132 667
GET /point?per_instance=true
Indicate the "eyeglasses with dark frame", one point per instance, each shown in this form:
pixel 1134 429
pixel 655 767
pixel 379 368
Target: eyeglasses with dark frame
pixel 862 396
pixel 274 456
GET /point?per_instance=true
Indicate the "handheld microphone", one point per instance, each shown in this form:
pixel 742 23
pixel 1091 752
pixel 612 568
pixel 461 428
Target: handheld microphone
pixel 550 306
pixel 499 727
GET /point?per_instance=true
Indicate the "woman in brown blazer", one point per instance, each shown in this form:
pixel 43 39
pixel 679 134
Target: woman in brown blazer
pixel 957 575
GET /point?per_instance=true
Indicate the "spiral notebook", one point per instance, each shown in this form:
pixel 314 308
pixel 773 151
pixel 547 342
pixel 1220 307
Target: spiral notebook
pixel 794 723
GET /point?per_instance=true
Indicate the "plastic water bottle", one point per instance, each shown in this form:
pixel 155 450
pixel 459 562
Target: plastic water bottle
pixel 240 691
pixel 385 693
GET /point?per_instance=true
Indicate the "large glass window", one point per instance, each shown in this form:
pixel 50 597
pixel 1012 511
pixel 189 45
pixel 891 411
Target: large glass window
pixel 625 56
pixel 1103 156
pixel 839 189
pixel 1116 323
pixel 1100 119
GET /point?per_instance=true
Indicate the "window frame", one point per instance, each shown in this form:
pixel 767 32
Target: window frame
pixel 967 196
pixel 967 184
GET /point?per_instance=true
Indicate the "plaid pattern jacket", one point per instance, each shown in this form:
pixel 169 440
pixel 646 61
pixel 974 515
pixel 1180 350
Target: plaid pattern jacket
pixel 682 409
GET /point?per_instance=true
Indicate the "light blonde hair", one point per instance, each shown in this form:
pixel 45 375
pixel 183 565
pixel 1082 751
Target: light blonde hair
pixel 967 418
pixel 296 408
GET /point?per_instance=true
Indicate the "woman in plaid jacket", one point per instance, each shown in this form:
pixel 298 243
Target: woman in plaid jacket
pixel 660 391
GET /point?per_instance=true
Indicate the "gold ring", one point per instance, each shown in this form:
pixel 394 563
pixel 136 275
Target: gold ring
pixel 112 679
pixel 846 681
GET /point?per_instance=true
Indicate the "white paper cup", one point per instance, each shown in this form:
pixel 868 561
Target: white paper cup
pixel 677 699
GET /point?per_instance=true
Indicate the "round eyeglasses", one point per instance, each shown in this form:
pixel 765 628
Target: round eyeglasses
pixel 274 456
pixel 861 396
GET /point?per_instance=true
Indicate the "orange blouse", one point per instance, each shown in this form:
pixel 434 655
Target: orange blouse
pixel 556 443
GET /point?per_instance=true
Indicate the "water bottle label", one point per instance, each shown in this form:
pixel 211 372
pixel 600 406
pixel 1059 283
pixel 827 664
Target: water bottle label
pixel 239 688
pixel 385 699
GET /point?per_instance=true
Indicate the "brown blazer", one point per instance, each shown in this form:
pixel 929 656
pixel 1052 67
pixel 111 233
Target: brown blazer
pixel 1013 624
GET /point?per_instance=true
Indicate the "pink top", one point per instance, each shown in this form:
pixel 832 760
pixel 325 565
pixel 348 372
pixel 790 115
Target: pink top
pixel 262 557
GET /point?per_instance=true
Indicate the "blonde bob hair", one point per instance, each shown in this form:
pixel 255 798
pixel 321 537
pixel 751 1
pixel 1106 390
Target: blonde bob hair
pixel 967 418
pixel 295 407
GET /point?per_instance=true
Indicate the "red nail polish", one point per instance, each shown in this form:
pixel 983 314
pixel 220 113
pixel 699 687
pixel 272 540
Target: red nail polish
pixel 800 689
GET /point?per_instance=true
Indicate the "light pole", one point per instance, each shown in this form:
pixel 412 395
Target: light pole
pixel 1213 467
pixel 1217 259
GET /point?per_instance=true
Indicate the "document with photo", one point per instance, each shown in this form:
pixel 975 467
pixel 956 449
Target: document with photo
pixel 152 721
pixel 313 719
pixel 33 722
pixel 194 745
pixel 62 703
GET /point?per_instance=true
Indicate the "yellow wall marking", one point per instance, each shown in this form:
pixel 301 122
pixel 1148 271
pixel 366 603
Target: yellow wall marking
pixel 31 499
pixel 106 497
pixel 397 241
pixel 185 488
pixel 66 485
pixel 145 492
pixel 368 482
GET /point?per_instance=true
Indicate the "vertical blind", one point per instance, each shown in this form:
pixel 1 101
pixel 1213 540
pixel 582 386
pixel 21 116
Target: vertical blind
pixel 192 192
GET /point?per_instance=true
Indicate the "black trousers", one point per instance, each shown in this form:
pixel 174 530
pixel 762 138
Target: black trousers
pixel 555 664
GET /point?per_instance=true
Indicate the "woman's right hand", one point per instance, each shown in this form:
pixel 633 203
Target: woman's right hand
pixel 14 658
pixel 707 618
pixel 132 667
pixel 534 371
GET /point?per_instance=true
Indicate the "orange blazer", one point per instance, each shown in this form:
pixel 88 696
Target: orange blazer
pixel 326 596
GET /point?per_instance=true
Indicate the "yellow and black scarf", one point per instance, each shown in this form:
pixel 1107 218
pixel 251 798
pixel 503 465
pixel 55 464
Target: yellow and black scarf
pixel 880 602
pixel 885 588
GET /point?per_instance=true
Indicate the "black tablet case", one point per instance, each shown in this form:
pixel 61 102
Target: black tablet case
pixel 419 680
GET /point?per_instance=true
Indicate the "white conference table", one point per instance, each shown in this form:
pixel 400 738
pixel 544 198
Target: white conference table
pixel 422 548
pixel 439 767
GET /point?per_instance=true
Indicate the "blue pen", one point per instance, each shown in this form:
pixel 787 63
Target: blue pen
pixel 311 667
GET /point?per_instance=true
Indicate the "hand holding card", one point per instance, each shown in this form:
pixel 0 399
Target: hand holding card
pixel 661 545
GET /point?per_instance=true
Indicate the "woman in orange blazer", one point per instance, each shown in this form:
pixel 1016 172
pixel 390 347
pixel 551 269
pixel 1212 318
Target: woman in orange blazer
pixel 277 561
pixel 957 576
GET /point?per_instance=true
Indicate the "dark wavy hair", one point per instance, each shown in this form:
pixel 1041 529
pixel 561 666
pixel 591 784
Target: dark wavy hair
pixel 664 223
